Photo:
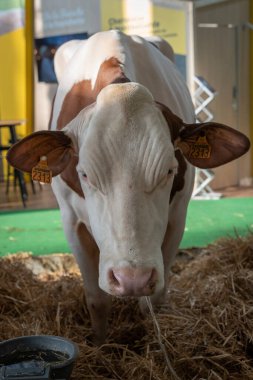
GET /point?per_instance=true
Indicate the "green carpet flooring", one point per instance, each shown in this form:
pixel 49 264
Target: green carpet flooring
pixel 40 231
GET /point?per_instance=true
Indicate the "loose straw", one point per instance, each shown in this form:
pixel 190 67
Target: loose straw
pixel 159 337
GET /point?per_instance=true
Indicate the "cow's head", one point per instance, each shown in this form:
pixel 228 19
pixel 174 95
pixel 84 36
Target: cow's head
pixel 127 169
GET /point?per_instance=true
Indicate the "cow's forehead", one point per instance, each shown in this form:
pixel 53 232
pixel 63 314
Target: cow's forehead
pixel 124 92
pixel 127 111
pixel 127 134
pixel 126 116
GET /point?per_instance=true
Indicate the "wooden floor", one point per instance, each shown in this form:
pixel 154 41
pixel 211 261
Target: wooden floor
pixel 45 199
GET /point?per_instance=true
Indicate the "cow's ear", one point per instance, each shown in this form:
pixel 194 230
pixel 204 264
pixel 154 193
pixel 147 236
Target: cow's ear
pixel 55 145
pixel 208 145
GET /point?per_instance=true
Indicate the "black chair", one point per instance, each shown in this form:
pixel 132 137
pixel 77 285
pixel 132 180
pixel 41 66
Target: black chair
pixel 18 175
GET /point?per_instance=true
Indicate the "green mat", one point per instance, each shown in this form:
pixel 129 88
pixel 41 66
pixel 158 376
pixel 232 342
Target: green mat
pixel 209 220
pixel 40 231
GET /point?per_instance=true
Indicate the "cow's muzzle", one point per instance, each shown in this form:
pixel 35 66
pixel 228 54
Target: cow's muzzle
pixel 129 281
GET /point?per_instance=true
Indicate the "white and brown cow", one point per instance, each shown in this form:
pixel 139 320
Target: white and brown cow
pixel 122 147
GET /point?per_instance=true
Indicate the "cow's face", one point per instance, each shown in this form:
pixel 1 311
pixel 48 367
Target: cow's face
pixel 126 168
pixel 119 154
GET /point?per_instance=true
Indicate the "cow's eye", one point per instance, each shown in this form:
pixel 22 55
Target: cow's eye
pixel 84 175
pixel 172 171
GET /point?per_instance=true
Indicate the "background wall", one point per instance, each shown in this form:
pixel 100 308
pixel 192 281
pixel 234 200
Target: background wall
pixel 222 58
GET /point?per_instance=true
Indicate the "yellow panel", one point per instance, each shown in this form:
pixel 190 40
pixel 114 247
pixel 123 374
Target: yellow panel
pixel 111 14
pixel 12 82
pixel 170 24
pixel 13 77
pixel 29 27
pixel 167 23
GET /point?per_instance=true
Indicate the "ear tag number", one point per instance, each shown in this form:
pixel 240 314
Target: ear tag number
pixel 41 172
pixel 200 148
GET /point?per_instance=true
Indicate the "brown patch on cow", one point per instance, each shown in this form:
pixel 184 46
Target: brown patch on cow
pixel 178 182
pixel 80 96
pixel 109 72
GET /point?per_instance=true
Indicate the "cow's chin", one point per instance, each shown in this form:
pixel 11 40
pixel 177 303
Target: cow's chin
pixel 128 280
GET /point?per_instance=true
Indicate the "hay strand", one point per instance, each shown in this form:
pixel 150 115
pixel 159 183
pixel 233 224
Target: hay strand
pixel 160 340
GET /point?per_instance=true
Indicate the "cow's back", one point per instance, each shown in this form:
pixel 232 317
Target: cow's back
pixel 141 61
pixel 150 67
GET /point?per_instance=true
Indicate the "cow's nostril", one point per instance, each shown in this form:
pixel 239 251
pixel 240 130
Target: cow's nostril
pixel 153 279
pixel 113 279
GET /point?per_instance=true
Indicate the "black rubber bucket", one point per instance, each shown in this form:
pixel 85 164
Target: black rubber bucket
pixel 37 357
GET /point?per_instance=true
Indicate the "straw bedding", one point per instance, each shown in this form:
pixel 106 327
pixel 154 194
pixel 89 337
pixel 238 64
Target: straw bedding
pixel 206 324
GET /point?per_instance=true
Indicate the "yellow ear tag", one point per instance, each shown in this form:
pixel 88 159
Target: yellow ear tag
pixel 200 148
pixel 41 171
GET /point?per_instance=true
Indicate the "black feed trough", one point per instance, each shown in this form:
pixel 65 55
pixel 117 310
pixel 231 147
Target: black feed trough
pixel 37 358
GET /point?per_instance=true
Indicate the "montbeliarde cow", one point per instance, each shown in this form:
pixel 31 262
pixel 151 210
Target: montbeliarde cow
pixel 122 147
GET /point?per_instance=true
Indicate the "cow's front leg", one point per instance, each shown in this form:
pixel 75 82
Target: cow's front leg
pixel 86 253
pixel 98 302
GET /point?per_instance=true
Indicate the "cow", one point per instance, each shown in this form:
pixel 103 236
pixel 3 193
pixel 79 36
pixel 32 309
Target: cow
pixel 122 147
